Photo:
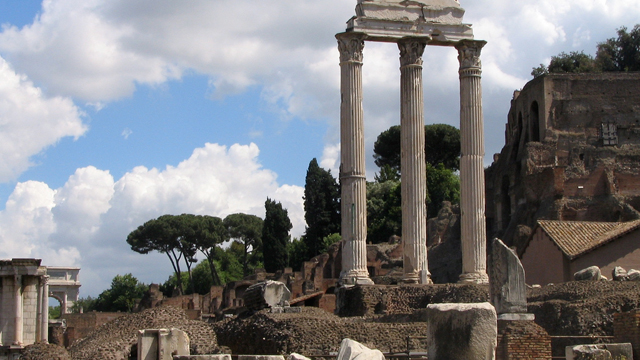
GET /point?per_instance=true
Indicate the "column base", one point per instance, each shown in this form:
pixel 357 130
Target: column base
pixel 355 278
pixel 474 278
pixel 420 277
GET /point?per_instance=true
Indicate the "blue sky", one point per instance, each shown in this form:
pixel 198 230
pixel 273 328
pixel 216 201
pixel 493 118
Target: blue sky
pixel 116 112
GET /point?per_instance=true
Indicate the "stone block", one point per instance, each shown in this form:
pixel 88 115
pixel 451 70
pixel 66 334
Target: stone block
pixel 633 275
pixel 266 294
pixel 619 274
pixel 587 352
pixel 507 287
pixel 592 273
pixel 461 331
pixel 203 357
pixel 260 357
pixel 296 356
pixel 162 344
pixel 353 350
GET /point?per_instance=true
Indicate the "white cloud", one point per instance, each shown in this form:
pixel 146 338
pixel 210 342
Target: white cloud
pixel 30 122
pixel 86 221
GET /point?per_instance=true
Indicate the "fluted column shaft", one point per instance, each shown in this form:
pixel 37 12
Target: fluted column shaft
pixel 352 169
pixel 44 335
pixel 472 190
pixel 412 161
pixel 17 303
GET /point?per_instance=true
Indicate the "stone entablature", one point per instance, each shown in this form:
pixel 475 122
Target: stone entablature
pixel 64 285
pixel 391 20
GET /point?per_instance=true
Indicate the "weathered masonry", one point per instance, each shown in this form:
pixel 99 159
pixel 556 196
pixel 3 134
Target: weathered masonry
pixel 25 288
pixel 412 25
pixel 24 302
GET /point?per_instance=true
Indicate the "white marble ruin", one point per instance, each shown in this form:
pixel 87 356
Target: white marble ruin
pixel 162 344
pixel 412 25
pixel 25 288
pixel 24 304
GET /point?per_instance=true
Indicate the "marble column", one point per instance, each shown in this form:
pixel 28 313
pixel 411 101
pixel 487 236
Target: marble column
pixel 472 191
pixel 44 335
pixel 412 161
pixel 17 306
pixel 352 168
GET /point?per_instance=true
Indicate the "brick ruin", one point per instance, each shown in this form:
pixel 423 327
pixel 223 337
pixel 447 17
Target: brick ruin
pixel 572 151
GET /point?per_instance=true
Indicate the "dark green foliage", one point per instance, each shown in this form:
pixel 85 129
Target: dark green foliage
pixel 442 145
pixel 386 149
pixel 622 53
pixel 321 207
pixel 614 54
pixel 209 233
pixel 87 304
pixel 384 211
pixel 443 185
pixel 229 262
pixel 275 236
pixel 246 230
pixel 330 240
pixel 54 312
pixel 122 295
pixel 297 251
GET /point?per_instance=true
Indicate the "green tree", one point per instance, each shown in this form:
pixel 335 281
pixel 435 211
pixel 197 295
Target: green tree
pixel 384 210
pixel 246 230
pixel 441 145
pixel 158 235
pixel 122 295
pixel 275 236
pixel 86 304
pixel 321 207
pixel 297 251
pixel 443 185
pixel 329 240
pixel 229 262
pixel 208 235
pixel 54 312
pixel 621 53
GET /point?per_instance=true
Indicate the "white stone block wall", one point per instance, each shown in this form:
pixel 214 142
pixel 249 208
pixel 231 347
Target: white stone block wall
pixel 6 311
pixel 30 309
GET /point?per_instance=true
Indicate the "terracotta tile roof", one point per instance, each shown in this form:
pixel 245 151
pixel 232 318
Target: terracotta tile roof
pixel 575 238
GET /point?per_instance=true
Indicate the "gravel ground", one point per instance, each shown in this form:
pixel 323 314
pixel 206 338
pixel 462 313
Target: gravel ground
pixel 41 351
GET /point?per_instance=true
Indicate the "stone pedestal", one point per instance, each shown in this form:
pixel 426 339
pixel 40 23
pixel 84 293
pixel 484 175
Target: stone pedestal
pixel 461 331
pixel 472 201
pixel 352 168
pixel 414 186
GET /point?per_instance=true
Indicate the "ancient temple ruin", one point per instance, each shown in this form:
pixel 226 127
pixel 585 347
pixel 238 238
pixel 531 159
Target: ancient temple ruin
pixel 412 25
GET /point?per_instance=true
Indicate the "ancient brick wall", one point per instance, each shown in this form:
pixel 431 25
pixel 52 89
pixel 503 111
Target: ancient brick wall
pixel 80 325
pixel 519 340
pixel 626 329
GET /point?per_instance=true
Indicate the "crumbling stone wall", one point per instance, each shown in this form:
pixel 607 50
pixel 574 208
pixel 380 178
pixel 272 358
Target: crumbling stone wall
pixel 561 160
pixel 522 340
pixel 368 300
pixel 626 329
pixel 115 340
pixel 311 332
pixel 81 325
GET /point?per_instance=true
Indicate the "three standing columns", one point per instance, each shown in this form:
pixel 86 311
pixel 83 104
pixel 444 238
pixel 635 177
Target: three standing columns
pixel 412 161
pixel 352 168
pixel 472 200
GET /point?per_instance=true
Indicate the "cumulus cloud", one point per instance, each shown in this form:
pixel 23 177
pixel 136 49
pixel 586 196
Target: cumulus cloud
pixel 30 121
pixel 86 221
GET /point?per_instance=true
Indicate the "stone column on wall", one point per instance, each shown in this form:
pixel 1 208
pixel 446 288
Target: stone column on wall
pixel 472 200
pixel 17 306
pixel 412 163
pixel 44 325
pixel 352 168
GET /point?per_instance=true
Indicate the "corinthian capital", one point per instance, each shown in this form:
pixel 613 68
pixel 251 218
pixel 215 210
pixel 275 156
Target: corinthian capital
pixel 350 46
pixel 469 53
pixel 411 50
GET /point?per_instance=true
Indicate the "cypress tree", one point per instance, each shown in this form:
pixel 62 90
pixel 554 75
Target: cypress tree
pixel 321 206
pixel 275 236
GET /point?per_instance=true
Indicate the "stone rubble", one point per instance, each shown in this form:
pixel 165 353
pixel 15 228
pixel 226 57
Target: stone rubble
pixel 115 339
